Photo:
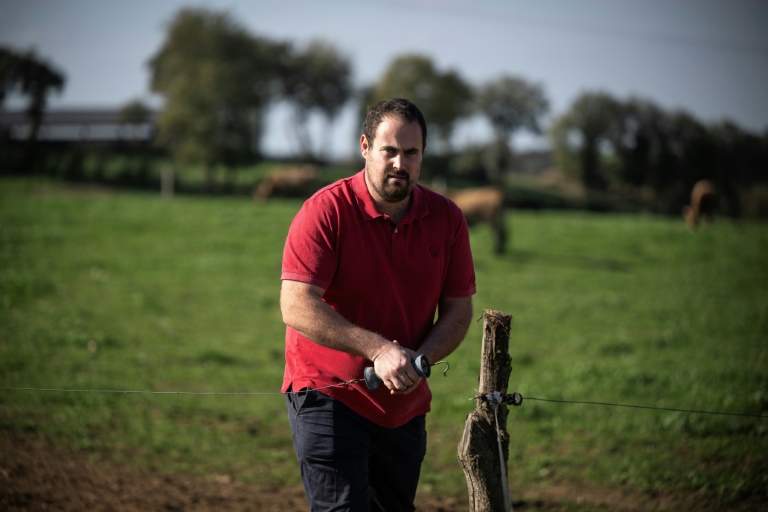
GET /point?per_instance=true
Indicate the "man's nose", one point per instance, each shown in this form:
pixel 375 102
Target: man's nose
pixel 397 162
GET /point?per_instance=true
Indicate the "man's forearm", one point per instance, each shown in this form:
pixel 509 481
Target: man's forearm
pixel 454 317
pixel 304 310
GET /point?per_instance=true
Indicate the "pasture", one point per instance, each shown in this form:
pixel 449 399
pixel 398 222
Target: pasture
pixel 111 290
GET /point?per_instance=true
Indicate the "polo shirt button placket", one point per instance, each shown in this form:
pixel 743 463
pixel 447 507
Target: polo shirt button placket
pixel 398 249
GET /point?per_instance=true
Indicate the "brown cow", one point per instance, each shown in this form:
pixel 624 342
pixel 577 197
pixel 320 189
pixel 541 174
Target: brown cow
pixel 704 204
pixel 291 181
pixel 483 205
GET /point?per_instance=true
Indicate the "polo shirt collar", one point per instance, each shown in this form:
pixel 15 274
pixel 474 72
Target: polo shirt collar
pixel 419 206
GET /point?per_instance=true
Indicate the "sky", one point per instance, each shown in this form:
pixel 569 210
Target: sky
pixel 707 57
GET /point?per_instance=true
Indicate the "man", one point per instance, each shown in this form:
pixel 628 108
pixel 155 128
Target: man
pixel 367 262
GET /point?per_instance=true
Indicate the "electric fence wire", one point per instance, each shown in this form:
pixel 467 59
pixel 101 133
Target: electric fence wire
pixel 356 381
pixel 672 409
pixel 208 393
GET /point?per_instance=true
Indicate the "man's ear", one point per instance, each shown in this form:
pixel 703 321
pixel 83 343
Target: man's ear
pixel 364 146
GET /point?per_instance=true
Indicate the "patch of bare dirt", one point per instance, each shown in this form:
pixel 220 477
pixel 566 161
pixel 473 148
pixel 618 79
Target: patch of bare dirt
pixel 39 476
pixel 36 476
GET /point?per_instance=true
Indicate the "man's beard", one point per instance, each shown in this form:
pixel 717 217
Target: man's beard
pixel 396 191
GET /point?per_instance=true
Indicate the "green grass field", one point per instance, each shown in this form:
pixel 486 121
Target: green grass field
pixel 127 291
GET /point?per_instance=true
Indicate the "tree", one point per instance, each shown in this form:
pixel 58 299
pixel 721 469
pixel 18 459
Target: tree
pixel 511 104
pixel 743 155
pixel 443 98
pixel 581 136
pixel 640 141
pixel 217 80
pixel 318 78
pixel 33 77
pixel 451 101
pixel 133 113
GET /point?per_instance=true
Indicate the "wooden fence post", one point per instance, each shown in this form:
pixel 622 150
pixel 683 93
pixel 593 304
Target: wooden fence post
pixel 167 180
pixel 479 448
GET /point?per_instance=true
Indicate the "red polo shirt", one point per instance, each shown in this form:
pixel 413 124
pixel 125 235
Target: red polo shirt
pixel 385 278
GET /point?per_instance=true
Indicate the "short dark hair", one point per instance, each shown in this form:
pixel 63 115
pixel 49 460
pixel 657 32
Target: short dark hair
pixel 399 108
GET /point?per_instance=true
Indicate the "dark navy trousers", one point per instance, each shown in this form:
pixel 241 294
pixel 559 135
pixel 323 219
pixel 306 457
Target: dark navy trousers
pixel 351 464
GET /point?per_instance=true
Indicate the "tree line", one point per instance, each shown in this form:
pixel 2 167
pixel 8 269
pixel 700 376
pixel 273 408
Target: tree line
pixel 637 148
pixel 33 77
pixel 218 81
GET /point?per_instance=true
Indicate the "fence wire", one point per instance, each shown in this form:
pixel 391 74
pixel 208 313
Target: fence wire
pixel 347 383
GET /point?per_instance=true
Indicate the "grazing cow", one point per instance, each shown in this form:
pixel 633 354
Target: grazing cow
pixel 292 181
pixel 483 205
pixel 704 204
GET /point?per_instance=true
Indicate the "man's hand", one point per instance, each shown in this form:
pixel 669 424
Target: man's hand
pixel 394 366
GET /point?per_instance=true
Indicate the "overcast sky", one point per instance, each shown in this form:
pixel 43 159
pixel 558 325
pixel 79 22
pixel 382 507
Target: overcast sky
pixel 709 57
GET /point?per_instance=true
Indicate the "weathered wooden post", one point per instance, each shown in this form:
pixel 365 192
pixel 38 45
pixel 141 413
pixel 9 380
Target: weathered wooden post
pixel 479 453
pixel 167 180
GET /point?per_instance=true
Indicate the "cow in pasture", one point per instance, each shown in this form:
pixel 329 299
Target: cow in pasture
pixel 483 205
pixel 703 206
pixel 290 181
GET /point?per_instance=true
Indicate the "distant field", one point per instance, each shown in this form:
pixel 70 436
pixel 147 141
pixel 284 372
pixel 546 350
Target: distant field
pixel 126 291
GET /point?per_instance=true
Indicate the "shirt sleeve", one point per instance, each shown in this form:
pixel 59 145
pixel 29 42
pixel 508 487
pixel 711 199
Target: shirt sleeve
pixel 460 278
pixel 309 255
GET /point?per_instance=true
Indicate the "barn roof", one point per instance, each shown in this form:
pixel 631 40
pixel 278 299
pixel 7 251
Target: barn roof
pixel 77 124
pixel 71 116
